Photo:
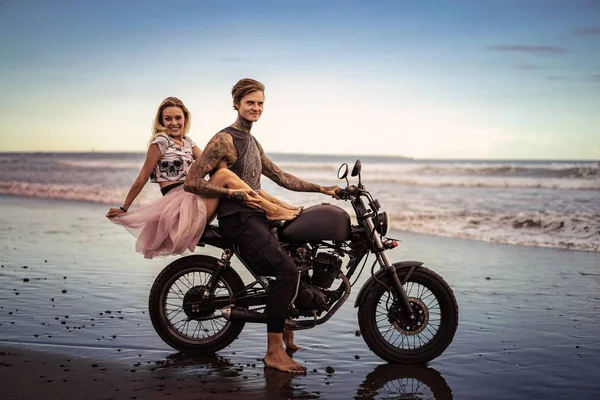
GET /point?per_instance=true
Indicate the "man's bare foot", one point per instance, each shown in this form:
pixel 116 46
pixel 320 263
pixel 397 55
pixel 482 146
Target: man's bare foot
pixel 282 361
pixel 276 356
pixel 281 214
pixel 288 340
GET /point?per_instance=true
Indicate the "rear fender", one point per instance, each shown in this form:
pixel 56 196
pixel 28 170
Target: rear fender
pixel 380 275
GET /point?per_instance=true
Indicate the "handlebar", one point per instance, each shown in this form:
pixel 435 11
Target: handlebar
pixel 345 194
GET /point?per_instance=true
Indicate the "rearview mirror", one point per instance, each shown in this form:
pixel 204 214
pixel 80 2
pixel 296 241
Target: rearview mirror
pixel 343 171
pixel 356 169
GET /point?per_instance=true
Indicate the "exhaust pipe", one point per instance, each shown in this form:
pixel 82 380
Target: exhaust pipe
pixel 243 315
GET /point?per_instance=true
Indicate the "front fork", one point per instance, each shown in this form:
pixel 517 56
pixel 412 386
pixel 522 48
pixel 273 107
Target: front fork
pixel 384 261
pixel 399 292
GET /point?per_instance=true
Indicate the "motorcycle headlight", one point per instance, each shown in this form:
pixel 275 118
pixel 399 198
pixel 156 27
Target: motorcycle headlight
pixel 383 222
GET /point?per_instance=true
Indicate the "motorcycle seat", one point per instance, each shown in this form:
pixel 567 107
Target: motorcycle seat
pixel 212 236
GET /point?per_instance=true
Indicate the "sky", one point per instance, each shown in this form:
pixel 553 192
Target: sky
pixel 505 79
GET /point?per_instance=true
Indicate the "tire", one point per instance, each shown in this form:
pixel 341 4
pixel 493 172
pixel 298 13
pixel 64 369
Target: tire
pixel 170 317
pixel 387 333
pixel 408 382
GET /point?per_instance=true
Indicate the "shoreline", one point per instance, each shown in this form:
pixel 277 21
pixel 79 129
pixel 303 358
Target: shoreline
pixel 73 288
pixel 461 236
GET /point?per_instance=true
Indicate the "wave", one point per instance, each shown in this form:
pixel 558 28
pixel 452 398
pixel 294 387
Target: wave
pixel 550 170
pixel 102 164
pixel 557 229
pixel 490 182
pixel 75 192
pixel 576 231
pixel 556 170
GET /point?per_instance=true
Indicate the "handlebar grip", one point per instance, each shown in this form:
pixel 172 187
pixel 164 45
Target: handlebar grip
pixel 341 193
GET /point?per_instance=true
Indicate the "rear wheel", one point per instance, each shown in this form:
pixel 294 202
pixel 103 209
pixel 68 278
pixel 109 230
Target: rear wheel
pixel 181 317
pixel 397 339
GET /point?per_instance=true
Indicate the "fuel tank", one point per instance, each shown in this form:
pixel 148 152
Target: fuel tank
pixel 320 222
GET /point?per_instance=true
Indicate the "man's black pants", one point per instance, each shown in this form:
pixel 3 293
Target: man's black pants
pixel 263 253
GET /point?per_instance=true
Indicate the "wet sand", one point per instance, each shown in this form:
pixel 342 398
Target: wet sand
pixel 73 294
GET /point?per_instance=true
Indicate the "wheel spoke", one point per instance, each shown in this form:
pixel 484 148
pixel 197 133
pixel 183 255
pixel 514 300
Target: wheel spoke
pixel 176 311
pixel 410 335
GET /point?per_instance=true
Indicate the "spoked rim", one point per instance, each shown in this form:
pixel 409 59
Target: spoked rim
pixel 409 335
pixel 409 388
pixel 173 308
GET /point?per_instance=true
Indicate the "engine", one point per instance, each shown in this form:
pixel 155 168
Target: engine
pixel 325 268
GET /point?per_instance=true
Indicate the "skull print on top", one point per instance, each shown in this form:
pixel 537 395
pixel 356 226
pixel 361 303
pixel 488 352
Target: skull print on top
pixel 175 162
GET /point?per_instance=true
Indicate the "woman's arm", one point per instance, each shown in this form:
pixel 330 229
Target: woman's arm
pixel 152 157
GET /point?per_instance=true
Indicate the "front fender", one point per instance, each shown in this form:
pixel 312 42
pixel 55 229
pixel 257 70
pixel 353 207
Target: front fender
pixel 380 275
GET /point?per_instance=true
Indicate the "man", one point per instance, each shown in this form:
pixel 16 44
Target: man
pixel 246 226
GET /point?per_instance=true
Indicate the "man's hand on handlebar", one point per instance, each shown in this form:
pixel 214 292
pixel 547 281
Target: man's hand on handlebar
pixel 331 191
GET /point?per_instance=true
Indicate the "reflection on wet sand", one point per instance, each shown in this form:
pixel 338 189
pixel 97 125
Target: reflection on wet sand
pixel 386 381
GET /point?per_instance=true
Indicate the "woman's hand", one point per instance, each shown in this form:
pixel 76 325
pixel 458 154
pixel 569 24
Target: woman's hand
pixel 247 197
pixel 113 212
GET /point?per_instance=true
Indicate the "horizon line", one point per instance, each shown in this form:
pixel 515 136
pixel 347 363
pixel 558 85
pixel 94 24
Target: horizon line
pixel 321 154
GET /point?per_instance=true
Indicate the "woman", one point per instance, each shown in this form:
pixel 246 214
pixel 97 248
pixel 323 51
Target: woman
pixel 174 223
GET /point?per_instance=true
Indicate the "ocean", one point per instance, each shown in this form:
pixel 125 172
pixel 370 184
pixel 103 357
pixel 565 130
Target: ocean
pixel 535 203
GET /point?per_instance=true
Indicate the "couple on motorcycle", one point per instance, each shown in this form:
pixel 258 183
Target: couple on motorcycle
pixel 245 211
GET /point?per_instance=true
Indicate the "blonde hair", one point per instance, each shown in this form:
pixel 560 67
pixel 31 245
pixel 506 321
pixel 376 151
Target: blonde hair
pixel 157 126
pixel 243 87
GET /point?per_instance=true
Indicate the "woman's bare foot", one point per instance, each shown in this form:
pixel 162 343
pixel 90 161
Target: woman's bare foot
pixel 288 340
pixel 291 207
pixel 277 213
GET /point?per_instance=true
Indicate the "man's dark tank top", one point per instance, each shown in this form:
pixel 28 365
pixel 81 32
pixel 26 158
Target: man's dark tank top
pixel 248 167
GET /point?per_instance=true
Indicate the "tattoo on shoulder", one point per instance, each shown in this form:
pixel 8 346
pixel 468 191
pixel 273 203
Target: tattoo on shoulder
pixel 220 147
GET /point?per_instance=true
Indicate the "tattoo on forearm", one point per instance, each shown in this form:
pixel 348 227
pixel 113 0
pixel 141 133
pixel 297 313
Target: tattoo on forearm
pixel 239 197
pixel 220 147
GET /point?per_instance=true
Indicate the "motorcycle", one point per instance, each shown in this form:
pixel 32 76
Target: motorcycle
pixel 407 313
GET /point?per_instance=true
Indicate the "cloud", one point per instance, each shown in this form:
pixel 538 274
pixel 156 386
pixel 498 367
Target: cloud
pixel 232 59
pixel 528 67
pixel 587 32
pixel 528 49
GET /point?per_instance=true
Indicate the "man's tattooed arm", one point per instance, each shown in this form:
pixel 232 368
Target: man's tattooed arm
pixel 289 181
pixel 220 147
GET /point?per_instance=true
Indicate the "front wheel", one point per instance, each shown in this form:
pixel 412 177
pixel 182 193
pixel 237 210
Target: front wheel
pixel 178 312
pixel 396 339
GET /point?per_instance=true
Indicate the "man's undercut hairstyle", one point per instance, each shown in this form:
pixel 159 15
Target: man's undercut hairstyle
pixel 243 87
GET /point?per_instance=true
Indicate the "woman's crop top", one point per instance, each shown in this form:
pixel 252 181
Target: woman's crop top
pixel 175 161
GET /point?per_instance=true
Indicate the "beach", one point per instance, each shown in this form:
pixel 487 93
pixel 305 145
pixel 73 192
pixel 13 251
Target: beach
pixel 74 322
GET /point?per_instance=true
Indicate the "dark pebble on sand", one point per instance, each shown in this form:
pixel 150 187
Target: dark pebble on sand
pixel 25 279
pixel 314 370
pixel 357 357
pixel 64 277
pixel 16 293
pixel 52 299
pixel 357 333
pixel 330 370
pixel 45 261
pixel 64 291
pixel 487 278
pixel 25 266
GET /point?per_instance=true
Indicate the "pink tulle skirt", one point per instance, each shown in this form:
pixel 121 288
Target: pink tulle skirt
pixel 171 225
